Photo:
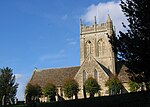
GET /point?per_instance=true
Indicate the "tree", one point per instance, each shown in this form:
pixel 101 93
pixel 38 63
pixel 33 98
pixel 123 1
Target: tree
pixel 71 88
pixel 114 85
pixel 32 93
pixel 148 85
pixel 134 86
pixel 50 91
pixel 8 87
pixel 91 86
pixel 133 46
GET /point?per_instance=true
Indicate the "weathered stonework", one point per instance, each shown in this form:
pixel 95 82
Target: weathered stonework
pixel 96 53
pixel 97 60
pixel 94 40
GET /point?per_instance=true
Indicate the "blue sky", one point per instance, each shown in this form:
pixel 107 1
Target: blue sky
pixel 45 33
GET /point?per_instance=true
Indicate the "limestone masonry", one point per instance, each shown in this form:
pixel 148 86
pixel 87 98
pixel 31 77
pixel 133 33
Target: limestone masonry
pixel 97 60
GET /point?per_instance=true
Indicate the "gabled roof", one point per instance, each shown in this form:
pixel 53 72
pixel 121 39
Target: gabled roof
pixel 107 71
pixel 121 72
pixel 91 61
pixel 55 75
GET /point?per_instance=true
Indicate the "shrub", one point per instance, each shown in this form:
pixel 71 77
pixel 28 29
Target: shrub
pixel 114 85
pixel 33 92
pixel 91 86
pixel 50 91
pixel 134 86
pixel 70 88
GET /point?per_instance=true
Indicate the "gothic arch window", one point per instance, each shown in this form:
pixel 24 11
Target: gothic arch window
pixel 84 76
pixel 96 75
pixel 101 47
pixel 89 48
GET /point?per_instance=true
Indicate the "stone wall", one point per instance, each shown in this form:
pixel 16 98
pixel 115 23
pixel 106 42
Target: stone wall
pixel 89 66
pixel 95 38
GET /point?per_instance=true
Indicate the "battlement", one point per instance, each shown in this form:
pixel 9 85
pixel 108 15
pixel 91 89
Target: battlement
pixel 93 28
pixel 84 29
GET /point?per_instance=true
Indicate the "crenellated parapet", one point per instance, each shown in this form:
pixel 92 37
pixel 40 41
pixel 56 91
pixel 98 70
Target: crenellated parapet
pixel 94 40
pixel 107 26
pixel 91 29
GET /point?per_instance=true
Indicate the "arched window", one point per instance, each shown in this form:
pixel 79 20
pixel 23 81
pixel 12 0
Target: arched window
pixel 89 48
pixel 101 47
pixel 84 76
pixel 96 75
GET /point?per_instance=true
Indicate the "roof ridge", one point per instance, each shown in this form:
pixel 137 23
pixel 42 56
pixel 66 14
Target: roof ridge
pixel 38 70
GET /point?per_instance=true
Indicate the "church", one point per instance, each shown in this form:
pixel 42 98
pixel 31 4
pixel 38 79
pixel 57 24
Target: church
pixel 97 60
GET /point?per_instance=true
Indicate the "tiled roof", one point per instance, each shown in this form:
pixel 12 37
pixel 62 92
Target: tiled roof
pixel 56 75
pixel 121 72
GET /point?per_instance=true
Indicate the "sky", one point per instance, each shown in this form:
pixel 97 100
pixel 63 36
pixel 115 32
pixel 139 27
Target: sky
pixel 45 33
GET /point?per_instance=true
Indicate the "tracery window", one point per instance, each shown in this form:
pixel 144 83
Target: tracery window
pixel 101 47
pixel 89 48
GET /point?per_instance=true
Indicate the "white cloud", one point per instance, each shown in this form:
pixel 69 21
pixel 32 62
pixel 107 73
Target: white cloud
pixel 18 76
pixel 71 41
pixel 20 91
pixel 55 56
pixel 21 79
pixel 64 17
pixel 102 10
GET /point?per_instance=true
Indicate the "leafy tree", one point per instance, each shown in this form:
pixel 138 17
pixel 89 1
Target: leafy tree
pixel 71 88
pixel 91 86
pixel 114 85
pixel 33 92
pixel 8 87
pixel 134 86
pixel 28 92
pixel 148 85
pixel 50 91
pixel 133 46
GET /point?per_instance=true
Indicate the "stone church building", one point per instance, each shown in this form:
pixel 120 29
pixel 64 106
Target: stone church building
pixel 97 60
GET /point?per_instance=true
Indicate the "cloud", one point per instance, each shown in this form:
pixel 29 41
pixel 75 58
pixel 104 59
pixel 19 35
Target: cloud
pixel 18 76
pixel 102 10
pixel 71 41
pixel 22 80
pixel 64 17
pixel 55 56
pixel 20 91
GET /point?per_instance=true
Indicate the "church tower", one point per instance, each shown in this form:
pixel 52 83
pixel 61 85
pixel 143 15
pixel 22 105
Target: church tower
pixel 94 41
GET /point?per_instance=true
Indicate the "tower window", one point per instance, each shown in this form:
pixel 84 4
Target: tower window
pixel 101 47
pixel 89 48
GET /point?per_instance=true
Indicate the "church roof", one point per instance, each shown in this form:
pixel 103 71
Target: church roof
pixel 121 72
pixel 53 75
pixel 58 75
